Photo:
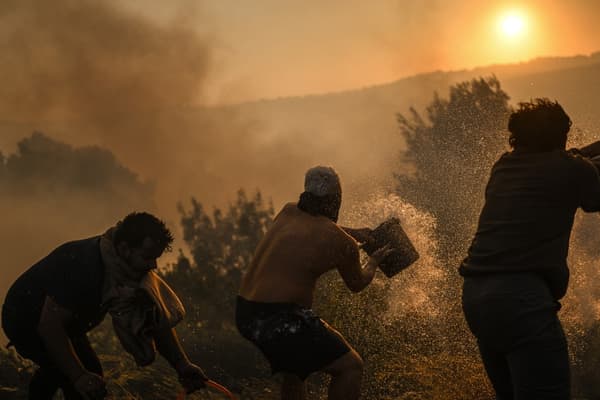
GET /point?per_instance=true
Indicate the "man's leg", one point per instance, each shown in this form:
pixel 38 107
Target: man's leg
pixel 46 379
pixel 346 373
pixel 293 388
pixel 90 361
pixel 498 371
pixel 346 377
pixel 489 316
pixel 44 384
pixel 540 366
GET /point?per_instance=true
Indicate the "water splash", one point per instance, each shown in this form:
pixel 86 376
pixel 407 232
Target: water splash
pixel 412 290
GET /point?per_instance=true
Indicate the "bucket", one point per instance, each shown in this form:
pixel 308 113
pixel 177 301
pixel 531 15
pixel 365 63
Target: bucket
pixel 403 253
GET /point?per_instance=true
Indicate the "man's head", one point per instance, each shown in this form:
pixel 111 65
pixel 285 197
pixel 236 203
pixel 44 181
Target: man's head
pixel 140 239
pixel 538 126
pixel 322 193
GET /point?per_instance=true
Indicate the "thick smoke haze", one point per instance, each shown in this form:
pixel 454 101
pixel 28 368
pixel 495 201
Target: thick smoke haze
pixel 104 110
pixel 99 76
pixel 90 74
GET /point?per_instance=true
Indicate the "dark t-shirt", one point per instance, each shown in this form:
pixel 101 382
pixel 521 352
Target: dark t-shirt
pixel 530 204
pixel 72 275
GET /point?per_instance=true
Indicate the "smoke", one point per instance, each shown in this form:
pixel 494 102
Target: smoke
pixel 89 61
pixel 88 73
pixel 53 193
pixel 100 76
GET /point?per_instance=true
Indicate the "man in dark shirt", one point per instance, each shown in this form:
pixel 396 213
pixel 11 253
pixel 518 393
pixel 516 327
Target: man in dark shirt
pixel 516 269
pixel 51 307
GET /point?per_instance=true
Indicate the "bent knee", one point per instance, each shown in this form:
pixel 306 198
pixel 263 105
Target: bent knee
pixel 356 362
pixel 349 363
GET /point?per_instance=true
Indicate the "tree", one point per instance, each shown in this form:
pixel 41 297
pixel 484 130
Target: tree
pixel 44 166
pixel 221 247
pixel 452 150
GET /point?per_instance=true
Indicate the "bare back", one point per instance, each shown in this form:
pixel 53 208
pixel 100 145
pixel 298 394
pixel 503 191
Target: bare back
pixel 294 253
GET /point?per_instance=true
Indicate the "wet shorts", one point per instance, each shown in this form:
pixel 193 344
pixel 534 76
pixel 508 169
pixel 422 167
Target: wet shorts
pixel 293 339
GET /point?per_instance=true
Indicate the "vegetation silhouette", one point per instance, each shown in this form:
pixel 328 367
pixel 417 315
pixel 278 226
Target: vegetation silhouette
pixel 450 148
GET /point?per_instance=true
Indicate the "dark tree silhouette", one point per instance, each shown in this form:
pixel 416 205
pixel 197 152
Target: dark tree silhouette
pixel 221 246
pixel 452 150
pixel 46 166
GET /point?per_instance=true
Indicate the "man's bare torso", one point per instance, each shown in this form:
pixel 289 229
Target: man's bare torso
pixel 294 253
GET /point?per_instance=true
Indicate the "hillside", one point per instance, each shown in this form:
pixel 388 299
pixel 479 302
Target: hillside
pixel 357 132
pixel 211 152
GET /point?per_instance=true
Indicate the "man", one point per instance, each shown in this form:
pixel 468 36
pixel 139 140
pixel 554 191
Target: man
pixel 275 299
pixel 51 307
pixel 516 269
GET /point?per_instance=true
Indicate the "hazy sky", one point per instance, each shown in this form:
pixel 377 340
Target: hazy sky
pixel 270 48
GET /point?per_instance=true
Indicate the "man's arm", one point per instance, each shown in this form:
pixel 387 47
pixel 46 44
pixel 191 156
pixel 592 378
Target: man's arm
pixel 361 235
pixel 591 150
pixel 589 185
pixel 51 328
pixel 190 375
pixel 357 276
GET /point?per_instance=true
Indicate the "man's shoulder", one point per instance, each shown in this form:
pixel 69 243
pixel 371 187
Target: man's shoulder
pixel 288 210
pixel 79 254
pixel 80 247
pixel 317 226
pixel 291 211
pixel 82 244
pixel 74 266
pixel 557 158
pixel 80 264
pixel 338 240
pixel 579 164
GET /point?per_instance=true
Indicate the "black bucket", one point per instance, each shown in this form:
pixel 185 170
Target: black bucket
pixel 403 252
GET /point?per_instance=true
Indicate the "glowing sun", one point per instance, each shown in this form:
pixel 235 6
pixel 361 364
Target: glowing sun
pixel 512 24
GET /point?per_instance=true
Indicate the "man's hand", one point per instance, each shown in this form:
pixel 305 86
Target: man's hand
pixel 91 386
pixel 191 377
pixel 378 256
pixel 591 150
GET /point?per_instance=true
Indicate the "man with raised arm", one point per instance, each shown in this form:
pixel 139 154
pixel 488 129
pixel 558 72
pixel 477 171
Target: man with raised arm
pixel 51 307
pixel 275 299
pixel 516 269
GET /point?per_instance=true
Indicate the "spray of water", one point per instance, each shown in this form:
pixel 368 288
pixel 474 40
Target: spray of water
pixel 419 347
pixel 411 290
pixel 425 294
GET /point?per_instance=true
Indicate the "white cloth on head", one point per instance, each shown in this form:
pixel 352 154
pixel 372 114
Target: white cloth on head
pixel 322 181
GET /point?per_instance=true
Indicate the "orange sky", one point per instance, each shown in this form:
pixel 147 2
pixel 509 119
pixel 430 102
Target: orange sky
pixel 271 48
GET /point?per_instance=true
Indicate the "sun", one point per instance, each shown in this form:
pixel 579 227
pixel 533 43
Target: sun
pixel 512 24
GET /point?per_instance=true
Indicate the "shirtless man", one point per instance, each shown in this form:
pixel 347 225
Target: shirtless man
pixel 275 299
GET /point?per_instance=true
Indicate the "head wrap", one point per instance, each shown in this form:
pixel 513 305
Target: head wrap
pixel 322 181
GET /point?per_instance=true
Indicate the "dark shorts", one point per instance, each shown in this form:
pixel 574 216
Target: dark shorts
pixel 293 339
